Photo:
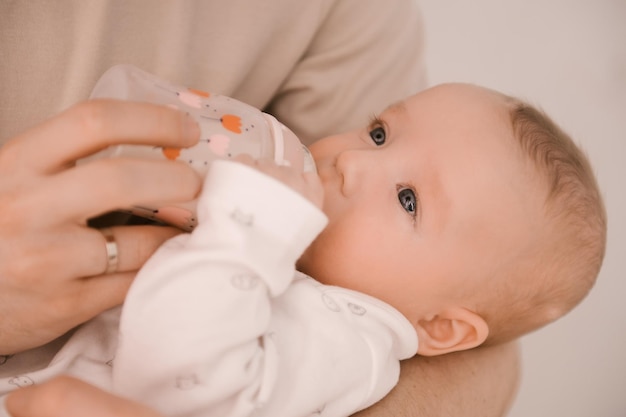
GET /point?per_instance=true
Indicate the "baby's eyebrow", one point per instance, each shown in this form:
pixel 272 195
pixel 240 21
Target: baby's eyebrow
pixel 397 107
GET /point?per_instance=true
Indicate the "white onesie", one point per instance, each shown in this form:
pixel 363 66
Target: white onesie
pixel 219 323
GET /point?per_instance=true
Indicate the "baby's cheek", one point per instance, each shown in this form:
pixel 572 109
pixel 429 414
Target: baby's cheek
pixel 332 259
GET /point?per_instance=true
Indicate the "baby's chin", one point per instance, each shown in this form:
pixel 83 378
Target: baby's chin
pixel 306 265
pixel 302 264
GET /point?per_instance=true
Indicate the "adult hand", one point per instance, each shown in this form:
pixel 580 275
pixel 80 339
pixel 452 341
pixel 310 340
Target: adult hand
pixel 51 264
pixel 68 397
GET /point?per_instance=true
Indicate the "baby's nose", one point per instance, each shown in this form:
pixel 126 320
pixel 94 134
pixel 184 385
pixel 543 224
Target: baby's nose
pixel 352 166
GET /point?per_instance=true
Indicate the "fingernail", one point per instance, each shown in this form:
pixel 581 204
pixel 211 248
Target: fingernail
pixel 191 128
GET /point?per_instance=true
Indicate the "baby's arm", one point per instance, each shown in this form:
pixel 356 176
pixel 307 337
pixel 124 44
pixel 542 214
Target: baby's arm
pixel 197 311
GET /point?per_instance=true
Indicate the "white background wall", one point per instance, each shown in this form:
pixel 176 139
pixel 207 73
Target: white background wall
pixel 568 56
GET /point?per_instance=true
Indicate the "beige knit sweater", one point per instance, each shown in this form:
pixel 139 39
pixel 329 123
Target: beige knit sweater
pixel 320 66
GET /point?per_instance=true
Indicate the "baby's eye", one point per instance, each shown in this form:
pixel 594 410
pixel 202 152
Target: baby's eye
pixel 378 135
pixel 408 200
pixel 377 131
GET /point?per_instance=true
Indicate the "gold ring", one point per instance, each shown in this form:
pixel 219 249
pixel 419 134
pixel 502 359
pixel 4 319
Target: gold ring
pixel 112 252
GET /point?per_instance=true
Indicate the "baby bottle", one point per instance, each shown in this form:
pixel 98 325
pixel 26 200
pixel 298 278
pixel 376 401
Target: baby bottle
pixel 228 128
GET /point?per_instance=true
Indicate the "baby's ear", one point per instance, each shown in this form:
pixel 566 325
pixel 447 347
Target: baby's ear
pixel 451 330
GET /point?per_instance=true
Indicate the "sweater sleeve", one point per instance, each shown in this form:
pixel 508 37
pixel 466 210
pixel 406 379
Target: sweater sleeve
pixel 198 310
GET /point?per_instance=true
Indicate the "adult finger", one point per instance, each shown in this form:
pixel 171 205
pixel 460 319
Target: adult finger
pixel 81 252
pixel 55 310
pixel 93 125
pixel 68 397
pixel 135 244
pixel 108 184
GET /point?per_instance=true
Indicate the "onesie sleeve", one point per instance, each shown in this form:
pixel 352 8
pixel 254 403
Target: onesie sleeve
pixel 199 308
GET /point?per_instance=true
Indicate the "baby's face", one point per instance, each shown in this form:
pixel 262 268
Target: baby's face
pixel 426 202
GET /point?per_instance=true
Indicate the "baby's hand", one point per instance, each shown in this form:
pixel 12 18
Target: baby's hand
pixel 308 184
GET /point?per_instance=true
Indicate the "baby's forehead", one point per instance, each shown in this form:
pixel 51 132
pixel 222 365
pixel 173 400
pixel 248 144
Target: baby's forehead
pixel 458 109
pixel 457 99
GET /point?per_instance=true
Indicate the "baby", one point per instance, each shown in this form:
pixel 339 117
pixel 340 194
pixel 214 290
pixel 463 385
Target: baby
pixel 458 217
